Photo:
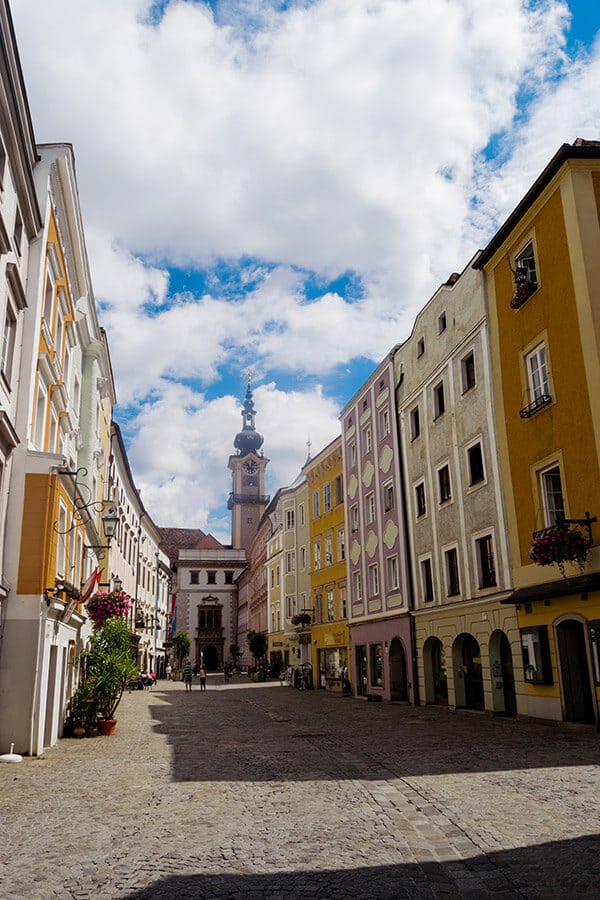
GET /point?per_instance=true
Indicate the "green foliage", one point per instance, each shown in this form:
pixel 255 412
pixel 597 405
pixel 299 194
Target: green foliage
pixel 257 642
pixel 109 665
pixel 181 646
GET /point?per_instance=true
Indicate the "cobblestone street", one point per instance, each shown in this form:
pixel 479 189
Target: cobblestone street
pixel 261 791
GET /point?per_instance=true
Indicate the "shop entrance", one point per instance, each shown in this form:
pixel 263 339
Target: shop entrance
pixel 574 672
pixel 503 678
pixel 398 685
pixel 436 682
pixel 361 671
pixel 468 679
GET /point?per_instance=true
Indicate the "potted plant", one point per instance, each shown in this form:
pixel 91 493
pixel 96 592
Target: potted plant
pixel 109 668
pixel 558 545
pixel 83 711
pixel 302 619
pixel 105 605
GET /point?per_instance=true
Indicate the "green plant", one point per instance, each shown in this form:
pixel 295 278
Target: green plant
pixel 257 642
pixel 109 665
pixel 181 647
pixel 83 708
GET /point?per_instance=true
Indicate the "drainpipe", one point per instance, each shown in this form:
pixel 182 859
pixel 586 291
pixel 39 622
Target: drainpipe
pixel 35 711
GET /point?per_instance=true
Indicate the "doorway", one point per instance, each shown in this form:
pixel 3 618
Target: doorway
pixel 468 674
pixel 211 658
pixel 398 684
pixel 504 698
pixel 577 693
pixel 361 671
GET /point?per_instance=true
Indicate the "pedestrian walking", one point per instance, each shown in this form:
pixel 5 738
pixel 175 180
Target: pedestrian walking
pixel 202 674
pixel 187 675
pixel 169 671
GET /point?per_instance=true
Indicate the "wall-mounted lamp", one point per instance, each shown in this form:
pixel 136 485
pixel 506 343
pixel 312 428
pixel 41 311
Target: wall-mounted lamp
pixel 109 525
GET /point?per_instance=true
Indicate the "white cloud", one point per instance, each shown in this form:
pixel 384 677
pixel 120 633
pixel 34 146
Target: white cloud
pixel 181 442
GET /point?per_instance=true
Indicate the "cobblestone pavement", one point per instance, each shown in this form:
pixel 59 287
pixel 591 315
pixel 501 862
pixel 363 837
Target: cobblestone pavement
pixel 261 791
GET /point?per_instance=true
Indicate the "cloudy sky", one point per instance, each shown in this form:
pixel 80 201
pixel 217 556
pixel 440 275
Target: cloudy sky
pixel 280 186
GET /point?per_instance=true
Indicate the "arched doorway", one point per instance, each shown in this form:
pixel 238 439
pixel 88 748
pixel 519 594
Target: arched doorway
pixel 210 657
pixel 504 698
pixel 398 684
pixel 578 701
pixel 468 678
pixel 436 681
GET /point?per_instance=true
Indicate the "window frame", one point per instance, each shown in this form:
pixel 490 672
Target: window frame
pixel 468 372
pixel 470 468
pixel 420 500
pixel 444 484
pixel 483 583
pixel 439 400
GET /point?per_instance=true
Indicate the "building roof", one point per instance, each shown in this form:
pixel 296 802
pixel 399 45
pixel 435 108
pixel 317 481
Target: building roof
pixel 175 539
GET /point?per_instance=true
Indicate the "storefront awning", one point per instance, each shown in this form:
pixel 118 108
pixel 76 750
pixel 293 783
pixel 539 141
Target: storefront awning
pixel 562 587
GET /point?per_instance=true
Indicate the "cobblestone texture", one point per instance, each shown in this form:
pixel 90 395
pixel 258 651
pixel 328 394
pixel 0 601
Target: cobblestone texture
pixel 260 791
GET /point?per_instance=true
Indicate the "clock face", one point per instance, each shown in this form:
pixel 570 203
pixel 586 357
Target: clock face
pixel 250 466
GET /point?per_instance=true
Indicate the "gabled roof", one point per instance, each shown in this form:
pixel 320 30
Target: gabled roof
pixel 175 539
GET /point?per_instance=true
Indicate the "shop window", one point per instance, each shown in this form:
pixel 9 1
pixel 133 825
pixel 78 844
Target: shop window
pixel 376 654
pixel 536 655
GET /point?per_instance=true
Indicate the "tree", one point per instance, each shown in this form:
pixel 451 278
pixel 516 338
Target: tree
pixel 181 647
pixel 257 642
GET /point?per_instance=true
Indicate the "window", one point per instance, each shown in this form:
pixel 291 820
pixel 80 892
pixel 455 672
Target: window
pixel 538 381
pixel 388 496
pixel 341 544
pixel 343 602
pixel 328 551
pixel 228 577
pixel 211 577
pixel 552 496
pixel 374 579
pixel 318 607
pixel 441 323
pixel 8 343
pixel 290 606
pixel 40 419
pixel 326 497
pixel 330 606
pixel 357 587
pixel 290 561
pixel 370 502
pixel 289 519
pixel 2 164
pixel 61 545
pixel 420 347
pixel 376 654
pixel 352 454
pixel 467 371
pixel 384 422
pixel 525 270
pixel 316 505
pixel 486 566
pixel 452 579
pixel 317 554
pixel 392 572
pixel 194 577
pixel 444 484
pixel 301 514
pixel 367 439
pixel 18 232
pixel 537 668
pixel 338 488
pixel 415 423
pixel 420 499
pixel 48 300
pixel 439 404
pixel 475 463
pixel 427 580
pixel 303 558
pixel 354 517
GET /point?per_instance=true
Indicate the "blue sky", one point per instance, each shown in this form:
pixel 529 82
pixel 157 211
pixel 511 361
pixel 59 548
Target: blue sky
pixel 281 186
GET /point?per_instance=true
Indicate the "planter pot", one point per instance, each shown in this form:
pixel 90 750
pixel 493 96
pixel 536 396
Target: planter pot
pixel 107 726
pixel 78 731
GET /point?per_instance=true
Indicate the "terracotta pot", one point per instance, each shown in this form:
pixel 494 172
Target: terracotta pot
pixel 107 726
pixel 78 731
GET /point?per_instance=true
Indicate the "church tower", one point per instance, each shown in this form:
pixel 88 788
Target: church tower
pixel 248 498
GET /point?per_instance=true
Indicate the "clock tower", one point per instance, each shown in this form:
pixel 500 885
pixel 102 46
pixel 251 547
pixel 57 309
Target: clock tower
pixel 248 498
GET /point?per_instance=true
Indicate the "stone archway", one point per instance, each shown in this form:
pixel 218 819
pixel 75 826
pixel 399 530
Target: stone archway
pixel 398 682
pixel 468 678
pixel 576 688
pixel 504 698
pixel 436 683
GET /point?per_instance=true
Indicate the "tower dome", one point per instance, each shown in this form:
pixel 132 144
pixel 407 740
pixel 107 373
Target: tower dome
pixel 248 440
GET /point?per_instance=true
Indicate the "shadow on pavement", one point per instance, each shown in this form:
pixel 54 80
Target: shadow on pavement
pixel 524 873
pixel 281 734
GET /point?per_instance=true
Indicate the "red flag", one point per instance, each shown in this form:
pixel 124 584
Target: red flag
pixel 91 584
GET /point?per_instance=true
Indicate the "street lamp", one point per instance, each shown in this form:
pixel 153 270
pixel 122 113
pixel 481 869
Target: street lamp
pixel 109 525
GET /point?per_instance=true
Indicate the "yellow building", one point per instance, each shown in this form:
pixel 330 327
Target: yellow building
pixel 543 285
pixel 329 613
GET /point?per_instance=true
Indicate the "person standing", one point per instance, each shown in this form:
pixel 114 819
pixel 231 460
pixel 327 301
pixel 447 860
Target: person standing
pixel 187 675
pixel 202 674
pixel 169 671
